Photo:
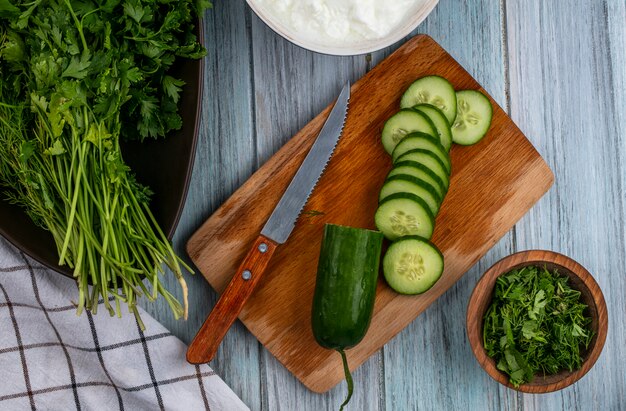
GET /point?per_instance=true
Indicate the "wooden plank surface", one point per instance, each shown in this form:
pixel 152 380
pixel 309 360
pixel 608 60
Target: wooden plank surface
pixel 572 103
pixel 494 41
pixel 492 185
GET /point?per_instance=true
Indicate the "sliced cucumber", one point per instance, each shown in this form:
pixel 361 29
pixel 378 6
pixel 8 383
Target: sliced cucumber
pixel 433 90
pixel 412 265
pixel 403 123
pixel 404 214
pixel 420 141
pixel 430 160
pixel 409 184
pixel 422 172
pixel 442 125
pixel 473 117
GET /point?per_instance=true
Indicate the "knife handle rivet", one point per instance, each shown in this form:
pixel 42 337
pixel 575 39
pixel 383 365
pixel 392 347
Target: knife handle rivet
pixel 263 247
pixel 246 275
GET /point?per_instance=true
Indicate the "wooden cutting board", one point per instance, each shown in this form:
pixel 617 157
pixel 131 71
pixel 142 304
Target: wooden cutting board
pixel 494 183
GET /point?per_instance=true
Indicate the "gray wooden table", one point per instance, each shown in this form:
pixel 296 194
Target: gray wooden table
pixel 558 68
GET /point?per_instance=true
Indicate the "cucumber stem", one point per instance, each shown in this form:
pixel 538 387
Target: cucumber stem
pixel 346 371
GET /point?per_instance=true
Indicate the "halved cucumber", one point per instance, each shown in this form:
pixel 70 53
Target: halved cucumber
pixel 440 121
pixel 422 172
pixel 433 90
pixel 413 185
pixel 404 214
pixel 414 141
pixel 402 123
pixel 412 265
pixel 473 117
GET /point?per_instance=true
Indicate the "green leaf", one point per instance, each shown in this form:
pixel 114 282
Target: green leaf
pixel 577 331
pixel 172 87
pixel 38 102
pixel 539 304
pixel 23 20
pixel 92 135
pixel 57 38
pixel 72 47
pixel 172 121
pixel 202 5
pixel 7 9
pixel 506 324
pixel 110 5
pixel 78 67
pixel 27 150
pixel 529 329
pixel 151 50
pixel 135 11
pixel 193 51
pixel 47 199
pixel 519 370
pixel 148 128
pixel 148 106
pixel 56 150
pixel 134 75
pixel 13 48
pixel 116 169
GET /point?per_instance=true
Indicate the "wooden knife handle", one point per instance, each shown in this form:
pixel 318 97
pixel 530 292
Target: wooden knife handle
pixel 204 346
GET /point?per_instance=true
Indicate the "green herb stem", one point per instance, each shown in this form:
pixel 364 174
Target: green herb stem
pixel 346 370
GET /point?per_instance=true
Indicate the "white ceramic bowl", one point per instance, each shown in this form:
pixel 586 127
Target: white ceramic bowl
pixel 366 46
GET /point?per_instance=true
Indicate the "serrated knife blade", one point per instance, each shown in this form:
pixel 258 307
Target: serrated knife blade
pixel 275 232
pixel 287 211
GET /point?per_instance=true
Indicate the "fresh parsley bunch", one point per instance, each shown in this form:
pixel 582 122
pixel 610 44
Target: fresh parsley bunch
pixel 76 76
pixel 535 324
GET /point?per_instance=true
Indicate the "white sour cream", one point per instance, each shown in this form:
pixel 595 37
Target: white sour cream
pixel 341 23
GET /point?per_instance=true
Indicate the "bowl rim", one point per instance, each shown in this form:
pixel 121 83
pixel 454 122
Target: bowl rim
pixel 484 288
pixel 196 132
pixel 355 50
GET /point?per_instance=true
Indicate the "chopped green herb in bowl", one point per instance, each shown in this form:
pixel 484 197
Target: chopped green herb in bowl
pixel 536 324
pixel 537 321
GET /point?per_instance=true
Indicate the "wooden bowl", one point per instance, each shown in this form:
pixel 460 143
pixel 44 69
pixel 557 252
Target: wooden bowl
pixel 579 279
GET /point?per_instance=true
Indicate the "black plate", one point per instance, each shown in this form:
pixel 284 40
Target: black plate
pixel 165 165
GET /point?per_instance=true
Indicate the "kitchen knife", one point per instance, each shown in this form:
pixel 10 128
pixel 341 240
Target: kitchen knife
pixel 275 232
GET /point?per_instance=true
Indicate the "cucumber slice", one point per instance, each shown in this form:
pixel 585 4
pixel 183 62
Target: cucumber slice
pixel 440 121
pixel 433 90
pixel 404 214
pixel 422 172
pixel 473 117
pixel 430 160
pixel 414 141
pixel 412 265
pixel 409 184
pixel 402 123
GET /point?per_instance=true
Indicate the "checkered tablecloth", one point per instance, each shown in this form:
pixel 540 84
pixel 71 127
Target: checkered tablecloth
pixel 51 359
